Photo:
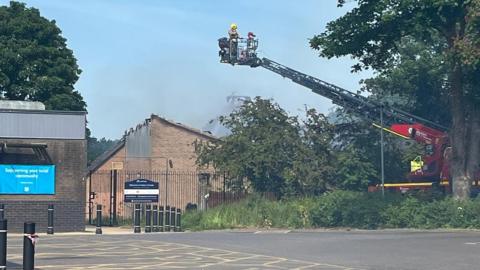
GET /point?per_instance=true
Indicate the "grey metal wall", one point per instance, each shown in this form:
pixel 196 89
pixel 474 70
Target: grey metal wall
pixel 138 142
pixel 42 124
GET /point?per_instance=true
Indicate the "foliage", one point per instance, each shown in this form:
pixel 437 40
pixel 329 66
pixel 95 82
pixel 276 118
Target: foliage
pixel 35 62
pixel 357 144
pixel 255 211
pixel 96 147
pixel 353 170
pixel 340 209
pixel 415 83
pixel 373 32
pixel 276 152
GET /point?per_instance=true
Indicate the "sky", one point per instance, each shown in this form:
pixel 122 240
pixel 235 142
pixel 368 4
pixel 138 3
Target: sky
pixel 148 57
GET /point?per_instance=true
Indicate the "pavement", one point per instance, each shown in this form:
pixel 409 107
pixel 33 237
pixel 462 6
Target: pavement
pixel 119 248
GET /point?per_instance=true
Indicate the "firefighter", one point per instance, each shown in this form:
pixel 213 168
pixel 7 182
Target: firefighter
pixel 416 165
pixel 233 35
pixel 251 46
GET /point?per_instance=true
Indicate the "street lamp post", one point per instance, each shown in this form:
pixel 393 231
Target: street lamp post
pixel 381 152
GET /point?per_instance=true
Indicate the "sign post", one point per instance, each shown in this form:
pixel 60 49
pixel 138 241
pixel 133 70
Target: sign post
pixel 141 191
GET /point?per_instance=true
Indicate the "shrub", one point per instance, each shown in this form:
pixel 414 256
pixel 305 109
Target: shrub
pixel 341 209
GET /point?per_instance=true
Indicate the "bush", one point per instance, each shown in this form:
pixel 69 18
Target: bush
pixel 341 209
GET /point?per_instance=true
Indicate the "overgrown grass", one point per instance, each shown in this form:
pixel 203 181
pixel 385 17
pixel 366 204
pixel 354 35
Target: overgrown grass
pixel 340 209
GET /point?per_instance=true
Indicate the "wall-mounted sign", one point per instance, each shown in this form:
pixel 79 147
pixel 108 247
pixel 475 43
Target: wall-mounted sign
pixel 27 179
pixel 117 165
pixel 141 191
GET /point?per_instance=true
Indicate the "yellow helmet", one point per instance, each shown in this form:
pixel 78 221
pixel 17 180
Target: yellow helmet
pixel 233 26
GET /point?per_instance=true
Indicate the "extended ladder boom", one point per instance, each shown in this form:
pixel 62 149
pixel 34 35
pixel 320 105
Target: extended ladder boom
pixel 352 102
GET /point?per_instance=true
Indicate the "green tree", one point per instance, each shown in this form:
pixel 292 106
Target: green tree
pixel 274 151
pixel 414 83
pixel 96 147
pixel 35 63
pixel 357 144
pixel 372 32
pixel 313 160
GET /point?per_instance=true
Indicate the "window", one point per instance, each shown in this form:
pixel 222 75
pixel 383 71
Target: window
pixel 27 154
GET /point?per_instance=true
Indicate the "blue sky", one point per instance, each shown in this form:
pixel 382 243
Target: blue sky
pixel 142 57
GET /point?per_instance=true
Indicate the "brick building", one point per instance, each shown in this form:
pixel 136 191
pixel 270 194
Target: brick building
pixel 158 149
pixel 34 141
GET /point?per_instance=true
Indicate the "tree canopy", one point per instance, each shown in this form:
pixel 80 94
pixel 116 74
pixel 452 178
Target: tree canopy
pixel 35 62
pixel 373 33
pixel 281 154
pixel 267 147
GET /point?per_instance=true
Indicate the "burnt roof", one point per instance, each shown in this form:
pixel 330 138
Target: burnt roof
pixel 182 126
pixel 100 160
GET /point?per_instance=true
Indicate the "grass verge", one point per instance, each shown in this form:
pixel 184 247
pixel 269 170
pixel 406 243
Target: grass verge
pixel 340 209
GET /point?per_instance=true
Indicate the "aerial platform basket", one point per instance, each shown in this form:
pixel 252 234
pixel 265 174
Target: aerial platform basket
pixel 239 51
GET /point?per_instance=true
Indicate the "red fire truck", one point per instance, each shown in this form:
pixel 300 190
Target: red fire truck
pixel 430 169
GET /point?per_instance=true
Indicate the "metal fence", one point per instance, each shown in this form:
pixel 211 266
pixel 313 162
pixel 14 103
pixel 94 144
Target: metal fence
pixel 176 189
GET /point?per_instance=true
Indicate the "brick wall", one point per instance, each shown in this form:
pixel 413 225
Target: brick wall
pixel 168 141
pixel 68 215
pixel 69 157
pixel 175 143
pixel 119 156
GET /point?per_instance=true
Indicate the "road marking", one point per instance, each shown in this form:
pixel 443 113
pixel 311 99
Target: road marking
pixel 472 243
pixel 273 232
pixel 148 254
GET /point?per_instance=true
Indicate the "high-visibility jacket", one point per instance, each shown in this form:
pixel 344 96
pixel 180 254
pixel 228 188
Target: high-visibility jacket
pixel 416 164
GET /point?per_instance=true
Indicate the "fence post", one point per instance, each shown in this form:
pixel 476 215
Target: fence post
pixel 204 179
pixel 155 218
pixel 113 207
pixel 160 219
pixel 98 230
pixel 50 219
pixel 172 219
pixel 136 219
pixel 179 220
pixel 148 218
pixel 167 218
pixel 29 238
pixel 3 243
pixel 2 211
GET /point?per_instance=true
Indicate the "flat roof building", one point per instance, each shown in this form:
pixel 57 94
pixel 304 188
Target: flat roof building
pixel 42 162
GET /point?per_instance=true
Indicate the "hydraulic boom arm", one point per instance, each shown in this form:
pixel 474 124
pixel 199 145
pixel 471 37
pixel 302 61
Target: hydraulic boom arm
pixel 353 102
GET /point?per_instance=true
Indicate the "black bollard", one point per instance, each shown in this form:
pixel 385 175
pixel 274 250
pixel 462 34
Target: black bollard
pixel 148 219
pixel 50 219
pixel 172 219
pixel 2 211
pixel 3 244
pixel 167 218
pixel 155 218
pixel 179 218
pixel 98 229
pixel 29 238
pixel 160 219
pixel 136 219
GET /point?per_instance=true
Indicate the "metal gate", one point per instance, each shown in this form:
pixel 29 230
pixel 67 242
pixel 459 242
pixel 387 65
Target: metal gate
pixel 200 190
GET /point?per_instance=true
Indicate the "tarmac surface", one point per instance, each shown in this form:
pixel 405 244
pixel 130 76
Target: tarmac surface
pixel 251 249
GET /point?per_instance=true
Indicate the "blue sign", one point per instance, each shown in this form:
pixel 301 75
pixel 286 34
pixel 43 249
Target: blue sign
pixel 27 179
pixel 141 191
